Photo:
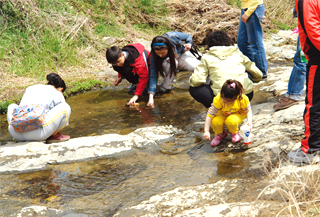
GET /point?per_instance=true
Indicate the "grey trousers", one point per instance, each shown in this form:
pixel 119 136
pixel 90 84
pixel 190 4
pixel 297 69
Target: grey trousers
pixel 186 61
pixel 56 119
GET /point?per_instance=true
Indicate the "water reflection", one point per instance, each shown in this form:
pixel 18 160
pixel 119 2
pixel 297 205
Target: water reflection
pixel 103 112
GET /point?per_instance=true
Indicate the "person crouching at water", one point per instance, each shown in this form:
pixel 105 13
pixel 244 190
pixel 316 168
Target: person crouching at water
pixel 229 108
pixel 223 61
pixel 132 63
pixel 169 53
pixel 57 111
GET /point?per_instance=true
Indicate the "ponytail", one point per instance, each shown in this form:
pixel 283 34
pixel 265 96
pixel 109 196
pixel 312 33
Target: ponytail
pixel 231 89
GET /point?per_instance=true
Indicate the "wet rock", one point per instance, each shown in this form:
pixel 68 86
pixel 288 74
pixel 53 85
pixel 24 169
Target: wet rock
pixel 204 200
pixel 32 156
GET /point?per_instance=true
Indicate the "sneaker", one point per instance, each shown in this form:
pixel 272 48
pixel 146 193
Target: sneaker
pixel 264 77
pixel 298 156
pixel 285 102
pixel 235 137
pixel 217 138
pixel 58 138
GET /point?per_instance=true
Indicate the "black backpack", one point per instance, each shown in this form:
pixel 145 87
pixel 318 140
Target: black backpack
pixel 195 51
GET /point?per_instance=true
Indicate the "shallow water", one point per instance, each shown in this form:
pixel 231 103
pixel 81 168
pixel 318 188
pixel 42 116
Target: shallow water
pixel 100 187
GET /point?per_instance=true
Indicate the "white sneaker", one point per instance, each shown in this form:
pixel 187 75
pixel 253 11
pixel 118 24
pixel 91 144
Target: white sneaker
pixel 298 156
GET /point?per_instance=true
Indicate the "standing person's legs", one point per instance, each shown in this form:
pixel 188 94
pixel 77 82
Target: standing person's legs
pixel 202 94
pixel 187 61
pixel 296 82
pixel 242 39
pixel 255 38
pixel 297 77
pixel 311 142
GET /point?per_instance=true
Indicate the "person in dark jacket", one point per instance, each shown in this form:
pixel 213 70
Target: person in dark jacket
pixel 132 63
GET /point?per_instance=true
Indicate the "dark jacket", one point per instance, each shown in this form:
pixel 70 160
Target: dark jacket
pixel 136 66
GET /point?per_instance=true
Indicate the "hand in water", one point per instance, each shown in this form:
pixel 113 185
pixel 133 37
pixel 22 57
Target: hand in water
pixel 133 100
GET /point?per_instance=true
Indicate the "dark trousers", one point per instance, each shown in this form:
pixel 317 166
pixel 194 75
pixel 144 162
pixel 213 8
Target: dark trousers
pixel 311 116
pixel 204 94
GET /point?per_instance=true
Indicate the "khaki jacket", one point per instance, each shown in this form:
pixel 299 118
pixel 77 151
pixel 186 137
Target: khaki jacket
pixel 222 63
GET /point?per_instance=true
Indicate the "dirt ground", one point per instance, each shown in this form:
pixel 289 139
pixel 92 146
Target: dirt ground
pixel 196 17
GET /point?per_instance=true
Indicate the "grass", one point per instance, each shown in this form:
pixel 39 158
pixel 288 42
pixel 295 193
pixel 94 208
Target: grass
pixel 84 85
pixel 235 3
pixel 4 106
pixel 39 36
pixel 281 13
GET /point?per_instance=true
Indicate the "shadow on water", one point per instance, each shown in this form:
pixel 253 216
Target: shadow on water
pixel 100 187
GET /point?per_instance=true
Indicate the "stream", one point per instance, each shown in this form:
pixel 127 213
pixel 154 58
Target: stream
pixel 101 187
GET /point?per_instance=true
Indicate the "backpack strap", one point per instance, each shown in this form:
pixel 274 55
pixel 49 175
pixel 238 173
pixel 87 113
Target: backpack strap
pixel 195 51
pixel 145 58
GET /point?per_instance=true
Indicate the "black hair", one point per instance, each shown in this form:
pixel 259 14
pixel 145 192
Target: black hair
pixel 218 38
pixel 158 60
pixel 113 54
pixel 55 80
pixel 231 89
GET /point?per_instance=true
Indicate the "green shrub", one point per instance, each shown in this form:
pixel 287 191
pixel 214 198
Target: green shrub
pixel 84 85
pixel 4 106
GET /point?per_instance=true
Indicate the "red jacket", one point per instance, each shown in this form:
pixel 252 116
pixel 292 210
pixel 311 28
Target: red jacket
pixel 308 12
pixel 140 68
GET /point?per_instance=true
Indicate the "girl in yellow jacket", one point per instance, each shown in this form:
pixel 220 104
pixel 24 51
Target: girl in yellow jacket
pixel 229 108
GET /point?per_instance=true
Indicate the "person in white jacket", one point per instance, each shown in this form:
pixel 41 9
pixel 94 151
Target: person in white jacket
pixel 57 111
pixel 223 61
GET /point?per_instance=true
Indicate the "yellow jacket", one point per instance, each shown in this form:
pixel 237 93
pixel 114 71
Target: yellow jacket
pixel 251 5
pixel 222 63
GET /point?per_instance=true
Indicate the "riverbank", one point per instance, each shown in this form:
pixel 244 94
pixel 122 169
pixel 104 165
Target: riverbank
pixel 228 180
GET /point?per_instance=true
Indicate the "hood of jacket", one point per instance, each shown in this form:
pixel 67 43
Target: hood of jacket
pixel 223 52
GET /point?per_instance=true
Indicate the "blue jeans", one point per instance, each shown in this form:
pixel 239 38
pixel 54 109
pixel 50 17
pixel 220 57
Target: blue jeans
pixel 250 39
pixel 297 77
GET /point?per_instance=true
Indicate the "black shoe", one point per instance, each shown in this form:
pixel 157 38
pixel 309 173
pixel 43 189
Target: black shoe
pixel 264 77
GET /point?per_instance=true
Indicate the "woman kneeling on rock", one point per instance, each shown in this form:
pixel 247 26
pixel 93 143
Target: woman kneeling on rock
pixel 49 102
pixel 223 61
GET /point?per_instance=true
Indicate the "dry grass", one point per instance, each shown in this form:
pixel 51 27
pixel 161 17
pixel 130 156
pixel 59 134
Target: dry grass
pixel 281 12
pixel 297 186
pixel 202 17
